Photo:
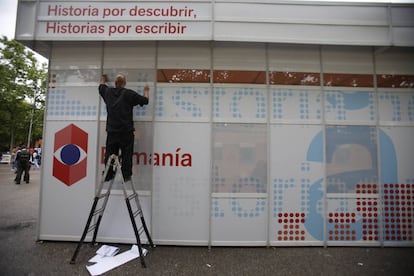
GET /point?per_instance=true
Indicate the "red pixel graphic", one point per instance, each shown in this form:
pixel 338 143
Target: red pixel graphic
pixel 342 223
pixel 293 227
pixel 368 209
pixel 398 212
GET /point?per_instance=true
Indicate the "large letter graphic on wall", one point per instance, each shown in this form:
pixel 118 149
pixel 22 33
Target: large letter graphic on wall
pixel 70 150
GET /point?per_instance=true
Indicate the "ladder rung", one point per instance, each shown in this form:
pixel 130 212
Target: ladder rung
pixel 132 196
pixel 92 227
pixel 140 230
pixel 103 195
pixel 137 212
pixel 98 211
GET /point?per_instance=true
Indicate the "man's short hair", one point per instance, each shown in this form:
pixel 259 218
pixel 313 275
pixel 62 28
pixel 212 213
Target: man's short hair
pixel 120 80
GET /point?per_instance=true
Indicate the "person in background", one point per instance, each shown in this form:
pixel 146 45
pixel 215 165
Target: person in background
pixel 13 159
pixel 36 158
pixel 23 165
pixel 39 152
pixel 120 102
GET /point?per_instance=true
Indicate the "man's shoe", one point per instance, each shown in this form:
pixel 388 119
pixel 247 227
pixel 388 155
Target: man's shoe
pixel 17 182
pixel 109 175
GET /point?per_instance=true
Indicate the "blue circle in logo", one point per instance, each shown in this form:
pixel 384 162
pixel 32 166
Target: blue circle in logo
pixel 70 154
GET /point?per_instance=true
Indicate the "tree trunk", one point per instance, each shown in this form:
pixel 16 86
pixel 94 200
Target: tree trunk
pixel 11 132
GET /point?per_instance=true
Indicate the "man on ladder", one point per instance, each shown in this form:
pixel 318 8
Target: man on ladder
pixel 120 102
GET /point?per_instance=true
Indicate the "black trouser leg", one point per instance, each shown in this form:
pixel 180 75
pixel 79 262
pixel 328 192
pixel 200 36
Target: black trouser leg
pixel 18 174
pixel 127 150
pixel 26 174
pixel 112 147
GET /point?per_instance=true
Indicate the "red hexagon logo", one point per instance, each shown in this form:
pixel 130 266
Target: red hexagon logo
pixel 70 154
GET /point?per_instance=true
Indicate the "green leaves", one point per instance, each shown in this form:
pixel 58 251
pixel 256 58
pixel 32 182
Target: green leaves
pixel 22 90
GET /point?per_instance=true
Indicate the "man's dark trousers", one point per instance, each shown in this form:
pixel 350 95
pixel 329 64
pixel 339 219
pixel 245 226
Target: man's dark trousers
pixel 22 167
pixel 123 141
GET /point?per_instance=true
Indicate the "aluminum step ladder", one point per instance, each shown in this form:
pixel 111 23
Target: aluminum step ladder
pixel 101 199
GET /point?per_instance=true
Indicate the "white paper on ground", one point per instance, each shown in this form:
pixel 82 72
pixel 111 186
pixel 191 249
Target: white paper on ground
pixel 105 264
pixel 107 251
pixel 104 251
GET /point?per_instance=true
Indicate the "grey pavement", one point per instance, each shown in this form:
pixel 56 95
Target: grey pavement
pixel 22 254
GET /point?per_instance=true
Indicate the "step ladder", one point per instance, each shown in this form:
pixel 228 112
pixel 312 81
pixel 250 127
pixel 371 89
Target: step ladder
pixel 99 204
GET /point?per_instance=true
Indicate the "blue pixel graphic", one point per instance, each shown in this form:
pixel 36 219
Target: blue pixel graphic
pixel 60 105
pixel 184 101
pixel 232 100
pixel 344 103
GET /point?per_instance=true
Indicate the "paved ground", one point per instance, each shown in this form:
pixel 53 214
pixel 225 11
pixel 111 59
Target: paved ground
pixel 21 254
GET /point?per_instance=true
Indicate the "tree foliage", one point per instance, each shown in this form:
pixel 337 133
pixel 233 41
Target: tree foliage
pixel 23 83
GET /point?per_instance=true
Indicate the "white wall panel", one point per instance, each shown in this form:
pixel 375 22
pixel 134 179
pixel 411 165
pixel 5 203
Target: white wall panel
pixel 402 144
pixel 397 174
pixel 235 56
pixel 196 55
pixel 177 102
pixel 235 103
pixel 292 105
pixel 181 192
pixel 239 205
pixel 76 56
pixel 350 106
pixel 296 172
pixel 351 60
pixel 126 55
pixel 394 61
pixel 403 36
pixel 402 16
pixel 302 33
pixel 294 58
pixel 396 107
pixel 300 13
pixel 78 78
pixel 72 103
pixel 64 209
pixel 243 222
pixel 25 26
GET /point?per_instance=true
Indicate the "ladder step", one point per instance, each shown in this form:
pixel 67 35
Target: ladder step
pixel 103 195
pixel 141 230
pixel 92 227
pixel 100 210
pixel 132 196
pixel 137 212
